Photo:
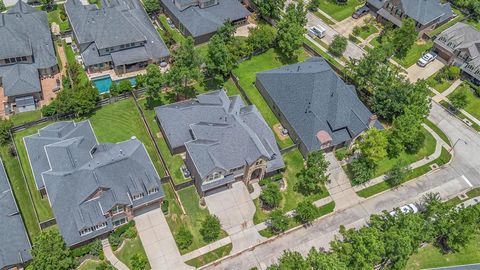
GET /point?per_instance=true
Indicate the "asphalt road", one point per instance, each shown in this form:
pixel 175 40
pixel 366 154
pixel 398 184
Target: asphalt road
pixel 458 176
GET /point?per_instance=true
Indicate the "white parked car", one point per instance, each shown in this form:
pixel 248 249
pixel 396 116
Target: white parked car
pixel 316 31
pixel 426 59
pixel 406 209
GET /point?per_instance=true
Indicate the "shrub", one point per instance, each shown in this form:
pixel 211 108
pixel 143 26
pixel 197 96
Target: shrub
pixel 397 174
pixel 361 170
pixel 117 236
pixel 164 207
pixel 338 46
pixel 341 153
pixel 278 221
pixel 459 100
pixel 453 73
pixel 138 262
pixel 271 196
pixel 96 248
pixel 306 212
pixel 130 233
pixel 184 238
pixel 210 228
pixel 115 241
pixel 356 30
pixel 5 126
pixel 104 266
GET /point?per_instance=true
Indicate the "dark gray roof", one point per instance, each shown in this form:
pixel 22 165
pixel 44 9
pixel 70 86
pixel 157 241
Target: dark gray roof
pixel 219 132
pixel 313 98
pixel 119 23
pixel 130 56
pixel 24 31
pixel 84 180
pixel 200 21
pixel 14 243
pixel 385 14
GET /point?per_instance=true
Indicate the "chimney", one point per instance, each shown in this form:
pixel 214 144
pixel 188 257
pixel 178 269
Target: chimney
pixel 371 120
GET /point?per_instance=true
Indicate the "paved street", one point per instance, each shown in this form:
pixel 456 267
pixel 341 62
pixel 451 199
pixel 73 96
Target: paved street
pixel 456 177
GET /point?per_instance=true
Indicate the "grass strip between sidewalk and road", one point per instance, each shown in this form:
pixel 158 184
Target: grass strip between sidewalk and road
pixel 210 256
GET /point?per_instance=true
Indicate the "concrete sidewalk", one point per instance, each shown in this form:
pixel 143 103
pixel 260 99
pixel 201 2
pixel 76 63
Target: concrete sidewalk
pixel 205 249
pixel 107 250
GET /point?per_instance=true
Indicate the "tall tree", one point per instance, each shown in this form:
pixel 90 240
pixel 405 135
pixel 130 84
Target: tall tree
pixel 219 59
pixel 151 6
pixel 5 126
pixel 314 174
pixel 290 260
pixel 2 6
pixel 403 38
pixel 261 37
pixel 324 261
pixel 278 221
pixel 373 145
pixel 50 252
pixel 153 82
pixel 338 46
pixel 306 211
pixel 291 29
pixel 185 68
pixel 271 196
pixel 407 129
pixel 270 8
pixel 211 228
pixel 459 100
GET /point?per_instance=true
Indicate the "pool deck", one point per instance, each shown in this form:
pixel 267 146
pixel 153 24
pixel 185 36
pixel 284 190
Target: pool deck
pixel 116 77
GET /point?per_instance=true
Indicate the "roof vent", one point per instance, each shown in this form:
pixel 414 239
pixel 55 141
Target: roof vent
pixel 133 138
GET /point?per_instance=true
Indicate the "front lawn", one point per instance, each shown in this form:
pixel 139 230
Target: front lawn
pixel 131 247
pixel 90 265
pixel 473 101
pixel 324 18
pixel 367 31
pixel 340 12
pixel 210 256
pixel 415 52
pixel 246 73
pixel 290 198
pixel 439 86
pixel 430 256
pixel 121 121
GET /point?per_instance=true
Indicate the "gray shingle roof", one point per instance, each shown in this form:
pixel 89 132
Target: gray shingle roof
pixel 200 21
pixel 85 179
pixel 14 243
pixel 219 132
pixel 121 22
pixel 313 98
pixel 24 31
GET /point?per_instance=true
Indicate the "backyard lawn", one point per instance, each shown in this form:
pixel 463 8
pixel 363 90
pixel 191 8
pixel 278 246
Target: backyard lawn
pixel 473 105
pixel 293 164
pixel 246 75
pixel 339 12
pixel 130 248
pixel 176 35
pixel 430 256
pixel 25 117
pixel 119 122
pixel 415 52
pixel 54 16
pixel 70 55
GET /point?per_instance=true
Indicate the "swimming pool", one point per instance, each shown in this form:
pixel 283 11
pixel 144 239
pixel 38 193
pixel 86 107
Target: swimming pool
pixel 103 83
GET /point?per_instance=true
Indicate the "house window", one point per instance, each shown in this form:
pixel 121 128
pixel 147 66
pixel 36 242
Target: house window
pixel 19 59
pixel 24 58
pixel 137 196
pixel 93 228
pixel 236 169
pixel 7 61
pixel 214 176
pixel 259 162
pixel 117 209
pixel 119 222
pixel 122 46
pixel 132 44
pixel 12 60
pixel 153 190
pixel 128 45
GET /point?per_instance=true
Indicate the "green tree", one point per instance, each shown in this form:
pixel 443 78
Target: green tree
pixel 219 59
pixel 50 252
pixel 47 4
pixel 313 5
pixel 453 73
pixel 290 260
pixel 153 82
pixel 403 38
pixel 291 29
pixel 270 8
pixel 407 128
pixel 152 6
pixel 338 46
pixel 5 126
pixel 361 170
pixel 2 6
pixel 271 196
pixel 139 262
pixel 314 174
pixel 124 86
pixel 324 261
pixel 210 229
pixel 458 100
pixel 306 211
pixel 278 221
pixel 184 238
pixel 395 145
pixel 373 145
pixel 397 174
pixel 262 37
pixel 114 89
pixel 185 68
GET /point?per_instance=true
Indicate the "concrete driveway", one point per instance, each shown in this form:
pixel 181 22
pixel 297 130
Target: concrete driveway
pixel 158 241
pixel 235 209
pixel 415 72
pixel 346 26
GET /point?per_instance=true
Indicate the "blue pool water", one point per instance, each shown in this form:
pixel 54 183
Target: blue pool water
pixel 103 83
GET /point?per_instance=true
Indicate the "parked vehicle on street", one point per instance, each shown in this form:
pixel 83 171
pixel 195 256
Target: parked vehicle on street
pixel 360 12
pixel 409 208
pixel 316 31
pixel 426 59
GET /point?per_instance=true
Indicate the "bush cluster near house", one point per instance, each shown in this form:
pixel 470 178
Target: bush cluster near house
pixel 211 228
pixel 127 231
pixel 338 46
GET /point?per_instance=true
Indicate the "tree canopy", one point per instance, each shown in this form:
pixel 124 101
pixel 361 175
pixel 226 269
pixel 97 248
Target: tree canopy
pixel 270 8
pixel 50 252
pixel 291 29
pixel 314 175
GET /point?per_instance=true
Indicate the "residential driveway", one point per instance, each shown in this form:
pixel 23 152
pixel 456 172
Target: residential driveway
pixel 346 26
pixel 158 241
pixel 235 209
pixel 339 187
pixel 415 72
pixel 352 51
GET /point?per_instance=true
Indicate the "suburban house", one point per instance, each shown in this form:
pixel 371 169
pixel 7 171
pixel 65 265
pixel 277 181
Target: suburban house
pixel 118 36
pixel 202 18
pixel 427 14
pixel 224 140
pixel 460 45
pixel 92 188
pixel 317 108
pixel 27 57
pixel 15 248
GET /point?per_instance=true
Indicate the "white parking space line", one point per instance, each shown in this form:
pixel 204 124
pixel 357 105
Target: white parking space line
pixel 466 180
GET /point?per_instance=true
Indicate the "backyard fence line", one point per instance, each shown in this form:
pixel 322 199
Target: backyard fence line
pixel 288 149
pixel 240 88
pixel 313 52
pixel 184 185
pixel 47 223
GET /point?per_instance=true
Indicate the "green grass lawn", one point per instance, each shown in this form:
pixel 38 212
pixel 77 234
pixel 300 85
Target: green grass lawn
pixel 290 198
pixel 428 148
pixel 430 256
pixel 119 122
pixel 415 52
pixel 437 130
pixel 339 12
pixel 375 42
pixel 89 265
pixel 70 55
pixel 246 74
pixel 41 205
pixel 473 105
pixel 474 23
pixel 365 33
pixel 176 35
pixel 130 248
pixel 20 191
pixel 210 256
pixel 475 192
pixel 459 114
pixel 325 55
pixel 25 117
pixel 324 18
pixel 54 16
pixel 439 86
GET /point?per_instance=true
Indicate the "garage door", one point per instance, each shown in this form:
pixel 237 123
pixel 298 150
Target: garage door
pixel 217 189
pixel 146 209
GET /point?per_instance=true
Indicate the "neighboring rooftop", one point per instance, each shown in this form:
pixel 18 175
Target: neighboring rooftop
pixel 15 245
pixel 313 98
pixel 85 179
pixel 219 132
pixel 117 23
pixel 200 21
pixel 24 31
pixel 461 36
